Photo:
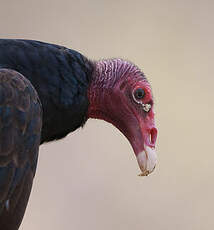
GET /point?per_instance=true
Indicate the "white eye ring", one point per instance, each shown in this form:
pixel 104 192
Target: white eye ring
pixel 146 107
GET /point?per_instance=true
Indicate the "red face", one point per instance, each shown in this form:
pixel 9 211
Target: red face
pixel 128 105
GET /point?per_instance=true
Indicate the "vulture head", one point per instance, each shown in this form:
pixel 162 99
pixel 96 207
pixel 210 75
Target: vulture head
pixel 119 93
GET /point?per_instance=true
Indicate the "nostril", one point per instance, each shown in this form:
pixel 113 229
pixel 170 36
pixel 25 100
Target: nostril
pixel 150 138
pixel 153 136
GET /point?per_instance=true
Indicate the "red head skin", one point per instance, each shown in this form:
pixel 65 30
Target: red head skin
pixel 111 97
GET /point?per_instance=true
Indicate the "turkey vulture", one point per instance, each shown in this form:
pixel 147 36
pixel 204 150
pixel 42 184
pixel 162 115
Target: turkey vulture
pixel 48 91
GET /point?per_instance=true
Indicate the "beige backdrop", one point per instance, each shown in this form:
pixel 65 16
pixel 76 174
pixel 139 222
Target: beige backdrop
pixel 89 180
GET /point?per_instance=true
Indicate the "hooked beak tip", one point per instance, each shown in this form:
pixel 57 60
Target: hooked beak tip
pixel 147 160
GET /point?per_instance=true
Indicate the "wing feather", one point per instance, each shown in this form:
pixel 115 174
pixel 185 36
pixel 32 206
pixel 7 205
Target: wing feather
pixel 20 131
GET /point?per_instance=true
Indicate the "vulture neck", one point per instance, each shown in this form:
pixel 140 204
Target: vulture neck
pixel 104 85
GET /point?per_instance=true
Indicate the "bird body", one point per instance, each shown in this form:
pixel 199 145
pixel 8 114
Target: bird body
pixel 48 91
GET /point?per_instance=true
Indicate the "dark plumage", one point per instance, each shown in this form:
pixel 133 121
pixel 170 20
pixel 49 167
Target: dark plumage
pixel 48 91
pixel 20 131
pixel 65 72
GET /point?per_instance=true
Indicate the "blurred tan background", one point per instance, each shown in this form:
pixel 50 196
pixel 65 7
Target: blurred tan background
pixel 89 180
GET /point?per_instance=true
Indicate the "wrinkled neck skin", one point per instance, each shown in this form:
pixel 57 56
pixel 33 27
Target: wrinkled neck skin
pixel 102 93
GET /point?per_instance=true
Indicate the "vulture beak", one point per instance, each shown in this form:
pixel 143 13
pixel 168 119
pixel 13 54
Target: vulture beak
pixel 147 160
pixel 143 138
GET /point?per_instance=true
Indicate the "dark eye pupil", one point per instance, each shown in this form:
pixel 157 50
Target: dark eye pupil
pixel 139 94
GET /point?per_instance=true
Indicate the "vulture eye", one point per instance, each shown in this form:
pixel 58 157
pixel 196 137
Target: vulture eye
pixel 139 94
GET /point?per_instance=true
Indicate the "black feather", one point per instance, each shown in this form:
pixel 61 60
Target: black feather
pixel 61 77
pixel 20 131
